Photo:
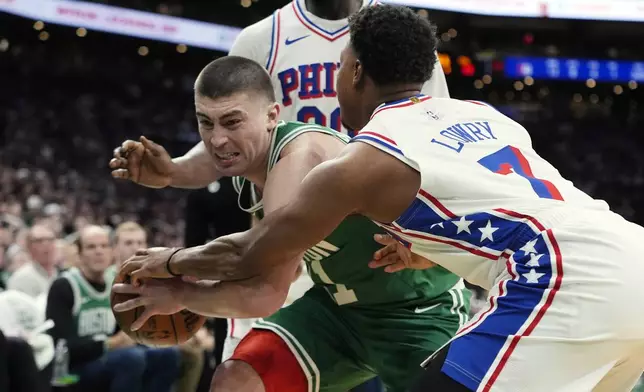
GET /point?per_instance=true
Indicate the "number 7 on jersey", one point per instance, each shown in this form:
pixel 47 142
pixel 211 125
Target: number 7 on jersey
pixel 510 159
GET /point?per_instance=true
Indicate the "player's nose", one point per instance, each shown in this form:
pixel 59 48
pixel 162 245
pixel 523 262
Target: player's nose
pixel 218 140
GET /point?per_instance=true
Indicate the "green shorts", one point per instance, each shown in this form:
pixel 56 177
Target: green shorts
pixel 340 347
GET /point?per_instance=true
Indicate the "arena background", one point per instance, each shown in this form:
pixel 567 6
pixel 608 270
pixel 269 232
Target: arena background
pixel 77 78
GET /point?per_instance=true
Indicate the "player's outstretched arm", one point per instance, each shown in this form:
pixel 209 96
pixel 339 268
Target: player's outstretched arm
pixel 147 163
pixel 251 298
pixel 362 180
pixel 221 259
pixel 194 169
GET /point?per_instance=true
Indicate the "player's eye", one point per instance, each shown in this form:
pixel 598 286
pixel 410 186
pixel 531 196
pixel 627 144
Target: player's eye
pixel 232 123
pixel 205 123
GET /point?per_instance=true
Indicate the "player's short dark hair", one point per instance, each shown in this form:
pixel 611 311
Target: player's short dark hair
pixel 233 74
pixel 394 44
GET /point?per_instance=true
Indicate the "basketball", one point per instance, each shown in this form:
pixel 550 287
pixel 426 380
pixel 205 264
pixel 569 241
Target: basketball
pixel 160 330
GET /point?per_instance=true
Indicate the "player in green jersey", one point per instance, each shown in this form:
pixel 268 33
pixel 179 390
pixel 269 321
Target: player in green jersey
pixel 355 322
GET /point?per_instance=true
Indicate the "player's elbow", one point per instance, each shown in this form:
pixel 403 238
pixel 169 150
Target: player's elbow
pixel 268 305
pixel 268 299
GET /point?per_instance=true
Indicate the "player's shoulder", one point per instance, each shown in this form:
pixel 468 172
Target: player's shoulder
pixel 254 41
pixel 436 108
pixel 295 133
pixel 308 138
pixel 263 29
pixel 291 126
pixel 253 36
pixel 259 29
pixel 62 284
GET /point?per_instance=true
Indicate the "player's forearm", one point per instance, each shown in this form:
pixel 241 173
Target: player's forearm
pixel 242 299
pixel 195 169
pixel 217 260
pixel 311 216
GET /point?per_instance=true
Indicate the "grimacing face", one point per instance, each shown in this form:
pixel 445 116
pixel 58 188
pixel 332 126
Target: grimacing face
pixel 349 92
pixel 236 130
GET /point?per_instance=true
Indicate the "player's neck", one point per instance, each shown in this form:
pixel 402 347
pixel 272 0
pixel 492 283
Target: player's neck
pixel 92 276
pixel 257 173
pixel 390 94
pixel 333 9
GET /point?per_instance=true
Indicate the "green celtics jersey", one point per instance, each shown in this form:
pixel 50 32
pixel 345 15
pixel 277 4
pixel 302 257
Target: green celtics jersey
pixel 92 311
pixel 110 275
pixel 340 262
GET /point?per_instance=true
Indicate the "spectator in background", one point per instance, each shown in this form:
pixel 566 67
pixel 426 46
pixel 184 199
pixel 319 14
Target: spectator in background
pixel 23 319
pixel 15 257
pixel 35 277
pixel 11 255
pixel 18 370
pixel 79 304
pixel 213 212
pixel 127 239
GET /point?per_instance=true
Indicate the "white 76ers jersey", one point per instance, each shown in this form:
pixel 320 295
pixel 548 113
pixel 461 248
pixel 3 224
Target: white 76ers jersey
pixel 483 188
pixel 302 53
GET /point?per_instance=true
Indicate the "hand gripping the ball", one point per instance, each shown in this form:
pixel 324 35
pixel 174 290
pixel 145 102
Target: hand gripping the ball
pixel 143 162
pixel 158 297
pixel 149 263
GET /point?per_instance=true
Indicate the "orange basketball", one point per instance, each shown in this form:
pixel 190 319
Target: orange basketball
pixel 160 330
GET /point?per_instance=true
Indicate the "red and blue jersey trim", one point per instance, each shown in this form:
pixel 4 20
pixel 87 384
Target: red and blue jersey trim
pixel 400 103
pixel 480 351
pixel 275 42
pixel 378 139
pixel 300 13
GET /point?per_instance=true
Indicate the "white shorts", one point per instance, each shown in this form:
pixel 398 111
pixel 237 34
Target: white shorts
pixel 565 315
pixel 238 328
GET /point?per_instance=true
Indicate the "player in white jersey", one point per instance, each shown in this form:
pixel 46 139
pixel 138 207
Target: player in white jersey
pixel 301 52
pixel 459 183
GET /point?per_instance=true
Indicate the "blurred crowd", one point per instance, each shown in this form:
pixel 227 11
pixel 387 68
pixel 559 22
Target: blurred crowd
pixel 66 105
pixel 63 217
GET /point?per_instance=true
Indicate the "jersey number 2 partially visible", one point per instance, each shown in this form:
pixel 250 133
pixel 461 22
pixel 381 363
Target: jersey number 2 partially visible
pixel 510 159
pixel 313 114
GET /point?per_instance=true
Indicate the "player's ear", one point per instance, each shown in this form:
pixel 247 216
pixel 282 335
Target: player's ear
pixel 358 73
pixel 273 115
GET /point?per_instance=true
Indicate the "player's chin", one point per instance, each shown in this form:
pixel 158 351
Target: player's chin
pixel 348 127
pixel 350 121
pixel 233 169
